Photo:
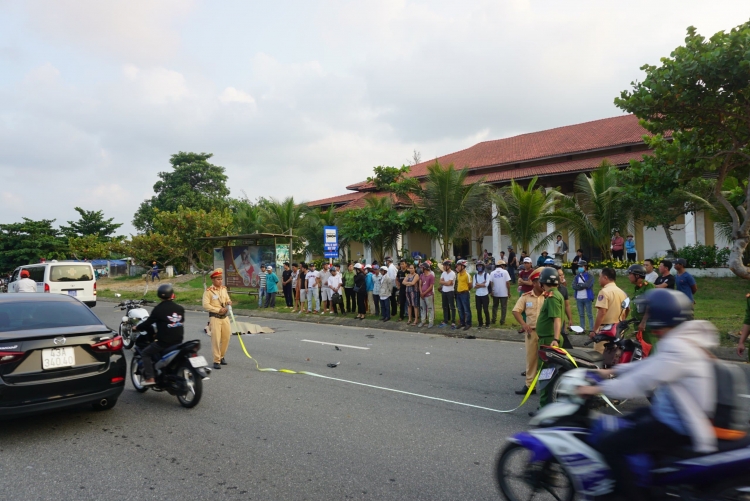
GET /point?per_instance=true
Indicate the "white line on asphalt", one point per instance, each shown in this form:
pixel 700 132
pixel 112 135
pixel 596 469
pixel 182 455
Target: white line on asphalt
pixel 336 344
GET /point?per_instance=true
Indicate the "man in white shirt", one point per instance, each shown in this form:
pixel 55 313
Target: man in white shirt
pixel 500 279
pixel 651 274
pixel 325 291
pixel 447 290
pixel 334 284
pixel 392 271
pixel 482 295
pixel 313 287
pixel 25 284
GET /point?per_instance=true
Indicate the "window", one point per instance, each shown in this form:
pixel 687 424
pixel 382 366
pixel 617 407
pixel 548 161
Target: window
pixel 70 273
pixel 18 315
pixel 36 273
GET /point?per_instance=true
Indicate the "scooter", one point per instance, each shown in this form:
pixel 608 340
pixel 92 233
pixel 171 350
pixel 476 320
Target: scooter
pixel 556 460
pixel 135 315
pixel 616 350
pixel 179 371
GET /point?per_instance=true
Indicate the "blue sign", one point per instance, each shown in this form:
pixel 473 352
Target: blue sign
pixel 330 242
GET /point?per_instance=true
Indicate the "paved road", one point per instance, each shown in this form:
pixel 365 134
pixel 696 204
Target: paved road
pixel 269 436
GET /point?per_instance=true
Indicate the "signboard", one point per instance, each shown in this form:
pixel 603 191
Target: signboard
pixel 330 242
pixel 242 264
pixel 282 256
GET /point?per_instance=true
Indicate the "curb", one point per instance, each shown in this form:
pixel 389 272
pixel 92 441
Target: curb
pixel 722 352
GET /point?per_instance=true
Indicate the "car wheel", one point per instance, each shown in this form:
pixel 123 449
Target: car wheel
pixel 104 404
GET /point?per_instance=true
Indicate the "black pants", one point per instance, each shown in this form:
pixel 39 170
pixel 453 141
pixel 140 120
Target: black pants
pixel 394 301
pixel 483 303
pixel 376 300
pixel 631 257
pixel 271 299
pixel 512 273
pixel 288 295
pixel 149 351
pixel 402 301
pixel 362 302
pixel 645 434
pixel 503 303
pixel 351 299
pixel 339 305
pixel 449 307
pixel 617 254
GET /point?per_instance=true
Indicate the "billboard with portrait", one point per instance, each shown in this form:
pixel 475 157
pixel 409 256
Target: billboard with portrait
pixel 242 263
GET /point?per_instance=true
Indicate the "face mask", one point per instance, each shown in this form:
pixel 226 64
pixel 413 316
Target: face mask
pixel 480 269
pixel 580 270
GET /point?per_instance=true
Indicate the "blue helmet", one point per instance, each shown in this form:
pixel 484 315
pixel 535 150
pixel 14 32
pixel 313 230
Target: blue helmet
pixel 549 261
pixel 665 308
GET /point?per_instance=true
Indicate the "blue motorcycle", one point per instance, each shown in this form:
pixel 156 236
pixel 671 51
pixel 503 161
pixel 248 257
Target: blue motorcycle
pixel 556 461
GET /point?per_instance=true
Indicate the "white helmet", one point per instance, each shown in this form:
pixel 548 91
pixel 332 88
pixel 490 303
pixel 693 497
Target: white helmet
pixel 367 266
pixel 358 266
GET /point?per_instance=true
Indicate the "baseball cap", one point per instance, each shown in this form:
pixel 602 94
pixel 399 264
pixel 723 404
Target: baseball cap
pixel 527 260
pixel 24 273
pixel 269 267
pixel 681 261
pixel 368 266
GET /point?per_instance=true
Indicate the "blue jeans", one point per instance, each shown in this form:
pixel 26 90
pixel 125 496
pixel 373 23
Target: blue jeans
pixel 464 309
pixel 313 299
pixel 385 308
pixel 261 295
pixel 585 304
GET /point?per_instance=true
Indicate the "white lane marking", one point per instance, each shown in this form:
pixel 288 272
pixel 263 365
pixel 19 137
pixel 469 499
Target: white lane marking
pixel 336 344
pixel 410 393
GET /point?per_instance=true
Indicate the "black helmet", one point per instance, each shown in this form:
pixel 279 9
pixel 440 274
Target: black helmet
pixel 637 270
pixel 665 308
pixel 549 276
pixel 165 291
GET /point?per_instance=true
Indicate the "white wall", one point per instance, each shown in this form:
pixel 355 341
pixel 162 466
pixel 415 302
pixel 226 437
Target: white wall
pixel 655 243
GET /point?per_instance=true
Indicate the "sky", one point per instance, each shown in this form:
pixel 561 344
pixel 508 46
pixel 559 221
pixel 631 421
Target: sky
pixel 299 98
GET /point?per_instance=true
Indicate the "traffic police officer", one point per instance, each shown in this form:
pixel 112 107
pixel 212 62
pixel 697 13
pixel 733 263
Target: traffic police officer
pixel 216 302
pixel 530 303
pixel 637 276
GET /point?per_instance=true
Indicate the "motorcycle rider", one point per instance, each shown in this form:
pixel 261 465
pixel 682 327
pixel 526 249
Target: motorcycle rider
pixel 168 317
pixel 681 377
pixel 637 276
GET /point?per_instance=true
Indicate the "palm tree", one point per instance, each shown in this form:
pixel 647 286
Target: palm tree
pixel 312 228
pixel 284 217
pixel 523 214
pixel 448 201
pixel 247 218
pixel 596 209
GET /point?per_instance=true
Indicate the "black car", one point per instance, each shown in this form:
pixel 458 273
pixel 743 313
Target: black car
pixel 55 353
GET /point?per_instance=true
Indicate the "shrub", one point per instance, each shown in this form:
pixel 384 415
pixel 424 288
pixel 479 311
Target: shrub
pixel 704 256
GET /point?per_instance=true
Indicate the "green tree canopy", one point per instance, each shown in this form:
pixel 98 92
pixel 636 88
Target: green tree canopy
pixel 376 225
pixel 193 183
pixel 700 94
pixel 91 223
pixel 28 242
pixel 523 213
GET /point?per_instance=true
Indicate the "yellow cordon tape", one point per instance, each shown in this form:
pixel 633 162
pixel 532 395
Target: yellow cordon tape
pixel 306 373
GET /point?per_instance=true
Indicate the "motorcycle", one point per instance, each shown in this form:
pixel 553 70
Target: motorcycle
pixel 617 350
pixel 179 371
pixel 557 461
pixel 135 315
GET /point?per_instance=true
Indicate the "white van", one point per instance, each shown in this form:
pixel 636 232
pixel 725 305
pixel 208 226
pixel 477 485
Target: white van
pixel 74 278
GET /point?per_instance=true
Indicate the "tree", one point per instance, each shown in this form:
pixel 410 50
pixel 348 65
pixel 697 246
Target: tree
pixel 92 247
pixel 182 229
pixel 376 225
pixel 149 247
pixel 701 95
pixel 91 223
pixel 283 217
pixel 311 229
pixel 596 209
pixel 523 214
pixel 28 242
pixel 193 183
pixel 447 199
pixel 247 217
pixel 656 198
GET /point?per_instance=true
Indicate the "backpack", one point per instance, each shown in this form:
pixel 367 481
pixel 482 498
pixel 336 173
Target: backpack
pixel 732 406
pixel 564 246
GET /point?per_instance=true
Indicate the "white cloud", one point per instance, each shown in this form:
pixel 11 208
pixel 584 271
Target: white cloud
pixel 232 95
pixel 157 85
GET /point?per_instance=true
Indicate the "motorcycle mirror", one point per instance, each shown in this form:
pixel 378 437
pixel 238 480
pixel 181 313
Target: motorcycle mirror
pixel 576 328
pixel 626 303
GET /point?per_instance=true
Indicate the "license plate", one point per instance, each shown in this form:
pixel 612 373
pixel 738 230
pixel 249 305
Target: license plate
pixel 198 361
pixel 54 358
pixel 547 374
pixel 72 293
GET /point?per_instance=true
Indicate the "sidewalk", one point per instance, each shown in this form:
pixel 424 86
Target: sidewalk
pixel 725 353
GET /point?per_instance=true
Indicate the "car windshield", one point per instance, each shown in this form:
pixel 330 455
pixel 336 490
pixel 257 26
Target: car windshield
pixel 17 315
pixel 71 273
